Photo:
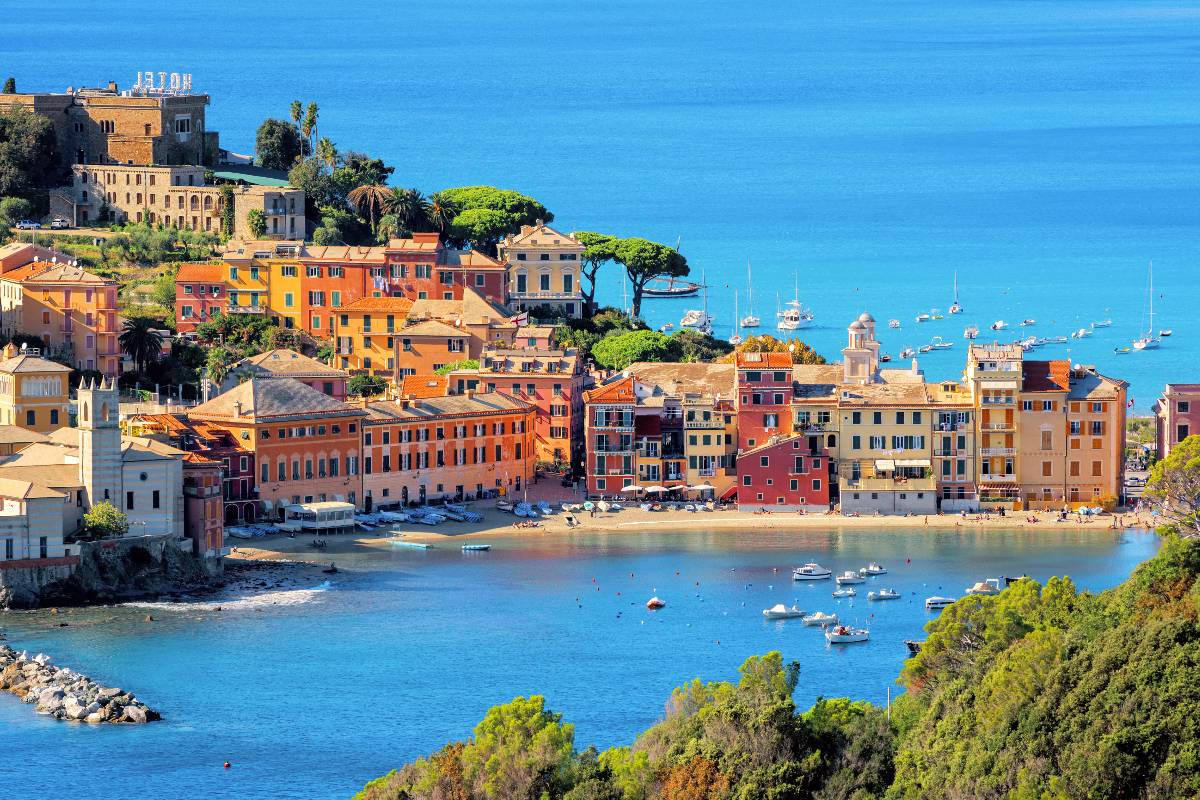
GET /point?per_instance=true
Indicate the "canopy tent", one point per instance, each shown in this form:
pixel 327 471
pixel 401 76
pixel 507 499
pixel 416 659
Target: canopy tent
pixel 885 464
pixel 913 462
pixel 633 487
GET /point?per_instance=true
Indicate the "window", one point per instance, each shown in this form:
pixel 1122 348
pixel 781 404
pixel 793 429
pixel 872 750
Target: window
pixel 30 418
pixel 265 472
pixel 856 417
pixel 1047 469
pixel 1097 469
pixel 816 484
pixel 1027 405
pixel 1047 405
pixel 877 417
pixel 1047 440
pixel 1074 469
pixel 1181 432
pixel 54 416
pixel 155 502
pixel 855 442
pixel 899 417
pixel 1183 406
pixel 129 501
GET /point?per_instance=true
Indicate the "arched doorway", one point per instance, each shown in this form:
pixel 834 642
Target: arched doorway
pixel 231 514
pixel 249 514
pixel 368 501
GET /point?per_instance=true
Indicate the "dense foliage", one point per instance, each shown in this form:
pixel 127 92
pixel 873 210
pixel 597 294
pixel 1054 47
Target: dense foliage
pixel 1038 693
pixel 29 158
pixel 366 385
pixel 614 340
pixel 229 338
pixel 485 214
pixel 1174 485
pixel 104 521
pixel 140 244
pixel 766 343
pixel 278 144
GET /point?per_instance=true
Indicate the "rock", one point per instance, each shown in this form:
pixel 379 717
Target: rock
pixel 95 718
pixel 149 618
pixel 109 692
pixel 135 714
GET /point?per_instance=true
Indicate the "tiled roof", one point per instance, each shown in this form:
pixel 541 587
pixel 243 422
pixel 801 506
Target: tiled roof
pixel 764 360
pixel 539 235
pixel 1046 376
pixel 31 364
pixel 421 386
pixel 431 327
pixel 399 305
pixel 450 405
pixel 772 442
pixel 472 309
pixel 15 434
pixel 816 381
pixel 260 400
pixel 14 487
pixel 1091 385
pixel 418 242
pixel 50 272
pixel 472 259
pixel 342 254
pixel 884 394
pixel 201 273
pixel 196 458
pixel 618 391
pixel 673 378
pixel 289 363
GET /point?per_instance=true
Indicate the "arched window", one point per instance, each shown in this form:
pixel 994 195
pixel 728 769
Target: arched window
pixel 83 415
pixel 103 413
pixel 195 204
pixel 208 202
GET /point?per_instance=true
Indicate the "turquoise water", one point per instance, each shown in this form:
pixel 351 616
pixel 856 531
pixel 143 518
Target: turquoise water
pixel 1045 150
pixel 313 689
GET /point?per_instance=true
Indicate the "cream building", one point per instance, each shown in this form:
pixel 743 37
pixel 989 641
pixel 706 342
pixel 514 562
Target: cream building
pixel 33 391
pixel 543 269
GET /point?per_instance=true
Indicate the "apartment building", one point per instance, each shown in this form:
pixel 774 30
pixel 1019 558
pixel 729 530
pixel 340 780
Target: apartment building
pixel 365 334
pixel 285 363
pixel 543 269
pixel 34 392
pixel 783 474
pixel 1096 407
pixel 954 447
pixel 72 311
pixel 1176 416
pixel 457 447
pixel 994 373
pixel 199 295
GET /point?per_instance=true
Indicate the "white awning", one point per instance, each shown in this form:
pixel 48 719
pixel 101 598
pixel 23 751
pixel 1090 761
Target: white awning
pixel 913 462
pixel 885 464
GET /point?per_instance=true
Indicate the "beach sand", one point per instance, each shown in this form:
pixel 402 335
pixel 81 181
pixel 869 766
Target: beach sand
pixel 632 521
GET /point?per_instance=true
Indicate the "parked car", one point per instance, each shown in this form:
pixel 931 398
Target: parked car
pixel 29 225
pixel 58 224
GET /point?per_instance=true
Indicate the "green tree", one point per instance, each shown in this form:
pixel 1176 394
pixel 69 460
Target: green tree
pixel 411 209
pixel 105 521
pixel 164 288
pixel 10 85
pixel 360 169
pixel 466 363
pixel 316 179
pixel 141 341
pixel 508 211
pixel 689 345
pixel 389 227
pixel 766 343
pixel 327 153
pixel 599 250
pixel 366 385
pixel 227 218
pixel 1174 484
pixel 278 144
pixel 29 157
pixel 618 351
pixel 482 228
pixel 13 210
pixel 370 200
pixel 256 223
pixel 520 751
pixel 644 261
pixel 441 212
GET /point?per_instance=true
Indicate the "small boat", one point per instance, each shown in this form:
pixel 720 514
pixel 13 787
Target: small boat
pixel 913 646
pixel 907 352
pixel 504 505
pixel 925 348
pixel 955 308
pixel 922 318
pixel 935 314
pixel 1149 341
pixel 844 634
pixel 811 572
pixel 750 320
pixel 735 338
pixel 1104 323
pixel 971 332
pixel 885 358
pixel 331 569
pixel 884 594
pixel 894 323
pixel 672 287
pixel 1145 343
pixel 670 326
pixel 938 344
pixel 874 568
pixel 999 325
pixel 655 603
pixel 1082 333
pixel 780 611
pixel 794 316
pixel 1122 350
pixel 989 587
pixel 412 545
pixel 848 577
pixel 938 601
pixel 1025 323
pixel 694 318
pixel 820 618
pixel 1165 332
pixel 1057 340
pixel 848 592
pixel 476 548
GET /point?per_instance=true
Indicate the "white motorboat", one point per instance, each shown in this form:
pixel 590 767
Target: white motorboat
pixel 907 352
pixel 820 618
pixel 989 587
pixel 893 323
pixel 884 594
pixel 1104 323
pixel 654 603
pixel 504 505
pixel 874 568
pixel 695 318
pixel 999 325
pixel 794 316
pixel 670 326
pixel 811 571
pixel 1165 332
pixel 1025 323
pixel 925 348
pixel 848 592
pixel 938 601
pixel 1082 333
pixel 780 611
pixel 848 577
pixel 922 318
pixel 1057 340
pixel 971 332
pixel 750 321
pixel 937 343
pixel 844 634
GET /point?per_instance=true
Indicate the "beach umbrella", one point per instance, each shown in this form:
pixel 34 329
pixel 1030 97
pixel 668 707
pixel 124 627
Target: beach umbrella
pixel 656 489
pixel 701 487
pixel 633 487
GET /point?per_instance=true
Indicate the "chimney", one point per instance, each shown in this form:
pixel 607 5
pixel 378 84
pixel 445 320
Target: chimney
pixel 469 393
pixel 237 408
pixel 112 86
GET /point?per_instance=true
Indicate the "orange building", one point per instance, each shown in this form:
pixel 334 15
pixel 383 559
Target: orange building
pixel 72 311
pixel 427 346
pixel 202 512
pixel 365 331
pixel 305 443
pixel 461 447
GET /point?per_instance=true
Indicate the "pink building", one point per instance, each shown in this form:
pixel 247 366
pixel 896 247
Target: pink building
pixel 199 295
pixel 1177 415
pixel 783 474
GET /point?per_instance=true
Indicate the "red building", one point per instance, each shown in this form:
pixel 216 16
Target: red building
pixel 784 474
pixel 764 397
pixel 203 515
pixel 199 295
pixel 610 463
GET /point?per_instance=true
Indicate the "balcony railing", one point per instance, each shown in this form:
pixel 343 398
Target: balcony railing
pixel 614 449
pixel 997 401
pixel 891 484
pixel 547 295
pixel 998 426
pixel 703 423
pixel 949 426
pixel 246 310
pixel 997 451
pixel 708 472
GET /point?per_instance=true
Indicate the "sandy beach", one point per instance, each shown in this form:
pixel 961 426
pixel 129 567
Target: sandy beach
pixel 633 521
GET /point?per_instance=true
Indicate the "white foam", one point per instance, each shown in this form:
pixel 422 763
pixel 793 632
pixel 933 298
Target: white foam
pixel 284 597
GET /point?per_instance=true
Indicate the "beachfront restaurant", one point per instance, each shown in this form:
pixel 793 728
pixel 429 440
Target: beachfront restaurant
pixel 317 518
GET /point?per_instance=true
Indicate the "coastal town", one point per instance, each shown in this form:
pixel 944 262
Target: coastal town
pixel 425 372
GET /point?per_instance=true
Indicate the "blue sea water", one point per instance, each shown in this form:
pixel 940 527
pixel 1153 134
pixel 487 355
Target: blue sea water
pixel 313 688
pixel 1046 151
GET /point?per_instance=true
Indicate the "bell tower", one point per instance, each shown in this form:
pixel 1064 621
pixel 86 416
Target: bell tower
pixel 100 442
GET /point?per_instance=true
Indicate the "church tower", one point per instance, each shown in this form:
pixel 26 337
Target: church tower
pixel 100 442
pixel 860 358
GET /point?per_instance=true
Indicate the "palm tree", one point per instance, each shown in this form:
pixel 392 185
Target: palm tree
pixel 410 207
pixel 442 211
pixel 141 341
pixel 370 200
pixel 310 124
pixel 327 152
pixel 297 111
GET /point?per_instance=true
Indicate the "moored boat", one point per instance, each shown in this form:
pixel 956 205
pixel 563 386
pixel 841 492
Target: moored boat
pixel 671 287
pixel 989 587
pixel 811 571
pixel 476 548
pixel 907 352
pixel 780 611
pixel 847 592
pixel 848 577
pixel 937 601
pixel 999 325
pixel 874 568
pixel 922 318
pixel 820 618
pixel 971 332
pixel 1165 332
pixel 655 603
pixel 844 634
pixel 893 323
pixel 884 594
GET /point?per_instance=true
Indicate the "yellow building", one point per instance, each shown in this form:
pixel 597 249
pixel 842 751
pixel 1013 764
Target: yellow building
pixel 72 311
pixel 34 392
pixel 1095 437
pixel 543 269
pixel 365 334
pixel 995 376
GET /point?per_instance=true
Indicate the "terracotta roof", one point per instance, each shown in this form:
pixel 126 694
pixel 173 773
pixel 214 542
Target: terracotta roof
pixel 418 242
pixel 349 255
pixel 15 434
pixel 472 309
pixel 472 259
pixel 1046 376
pixel 773 442
pixel 260 400
pixel 1091 385
pixel 618 391
pixel 21 490
pixel 431 327
pixel 287 362
pixel 399 305
pixel 31 364
pixel 50 272
pixel 764 360
pixel 421 386
pixel 884 394
pixel 450 405
pixel 196 458
pixel 673 378
pixel 201 273
pixel 541 235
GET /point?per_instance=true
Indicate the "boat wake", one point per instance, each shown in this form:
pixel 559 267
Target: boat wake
pixel 241 602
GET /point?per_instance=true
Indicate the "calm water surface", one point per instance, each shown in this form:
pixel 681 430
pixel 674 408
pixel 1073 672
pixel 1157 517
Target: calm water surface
pixel 1046 150
pixel 310 692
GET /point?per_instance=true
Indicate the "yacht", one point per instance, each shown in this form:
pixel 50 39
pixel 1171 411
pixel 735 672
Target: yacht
pixel 938 602
pixel 971 332
pixel 1025 323
pixel 925 348
pixel 938 344
pixel 907 352
pixel 922 318
pixel 670 326
pixel 1165 332
pixel 955 308
pixel 989 587
pixel 794 316
pixel 750 321
pixel 1082 333
pixel 700 320
pixel 821 618
pixel 894 323
pixel 1104 323
pixel 999 325
pixel 844 634
pixel 780 611
pixel 811 572
pixel 1148 341
pixel 849 577
pixel 884 594
pixel 735 338
pixel 874 568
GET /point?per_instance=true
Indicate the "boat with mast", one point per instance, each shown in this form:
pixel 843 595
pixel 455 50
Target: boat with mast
pixel 794 316
pixel 1149 341
pixel 750 321
pixel 955 308
pixel 671 287
pixel 734 337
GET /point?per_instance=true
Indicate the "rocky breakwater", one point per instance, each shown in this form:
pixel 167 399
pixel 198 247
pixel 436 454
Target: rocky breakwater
pixel 64 694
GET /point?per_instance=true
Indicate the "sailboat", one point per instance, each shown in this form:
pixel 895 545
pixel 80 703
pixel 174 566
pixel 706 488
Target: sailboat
pixel 750 321
pixel 794 316
pixel 700 320
pixel 734 338
pixel 1149 341
pixel 955 308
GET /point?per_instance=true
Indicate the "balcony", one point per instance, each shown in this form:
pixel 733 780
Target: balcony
pixel 709 424
pixel 998 426
pixel 546 296
pixel 875 483
pixel 942 427
pixel 614 449
pixel 246 310
pixel 707 472
pixel 997 401
pixel 997 451
pixel 815 427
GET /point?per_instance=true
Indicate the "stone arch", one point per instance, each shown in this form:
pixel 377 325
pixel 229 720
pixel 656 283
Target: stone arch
pixel 85 413
pixel 231 514
pixel 103 413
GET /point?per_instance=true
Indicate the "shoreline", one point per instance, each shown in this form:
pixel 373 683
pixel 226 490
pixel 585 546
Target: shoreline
pixel 282 548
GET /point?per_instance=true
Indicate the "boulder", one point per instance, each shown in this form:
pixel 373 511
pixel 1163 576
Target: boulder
pixel 135 714
pixel 95 718
pixel 109 692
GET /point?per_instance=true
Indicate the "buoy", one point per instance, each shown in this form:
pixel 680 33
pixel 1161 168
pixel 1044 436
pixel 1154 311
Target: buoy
pixel 227 765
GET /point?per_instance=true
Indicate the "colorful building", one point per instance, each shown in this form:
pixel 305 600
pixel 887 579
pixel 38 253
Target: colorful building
pixel 34 392
pixel 199 295
pixel 783 474
pixel 1176 416
pixel 365 334
pixel 458 447
pixel 285 363
pixel 543 269
pixel 203 514
pixel 72 311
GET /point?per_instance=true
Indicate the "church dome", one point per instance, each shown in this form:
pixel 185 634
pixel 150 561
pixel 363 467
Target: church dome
pixel 865 318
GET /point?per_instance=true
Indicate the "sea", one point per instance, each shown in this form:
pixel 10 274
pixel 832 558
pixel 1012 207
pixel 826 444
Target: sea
pixel 856 155
pixel 310 685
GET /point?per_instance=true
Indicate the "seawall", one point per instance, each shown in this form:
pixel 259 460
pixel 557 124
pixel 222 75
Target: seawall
pixel 65 694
